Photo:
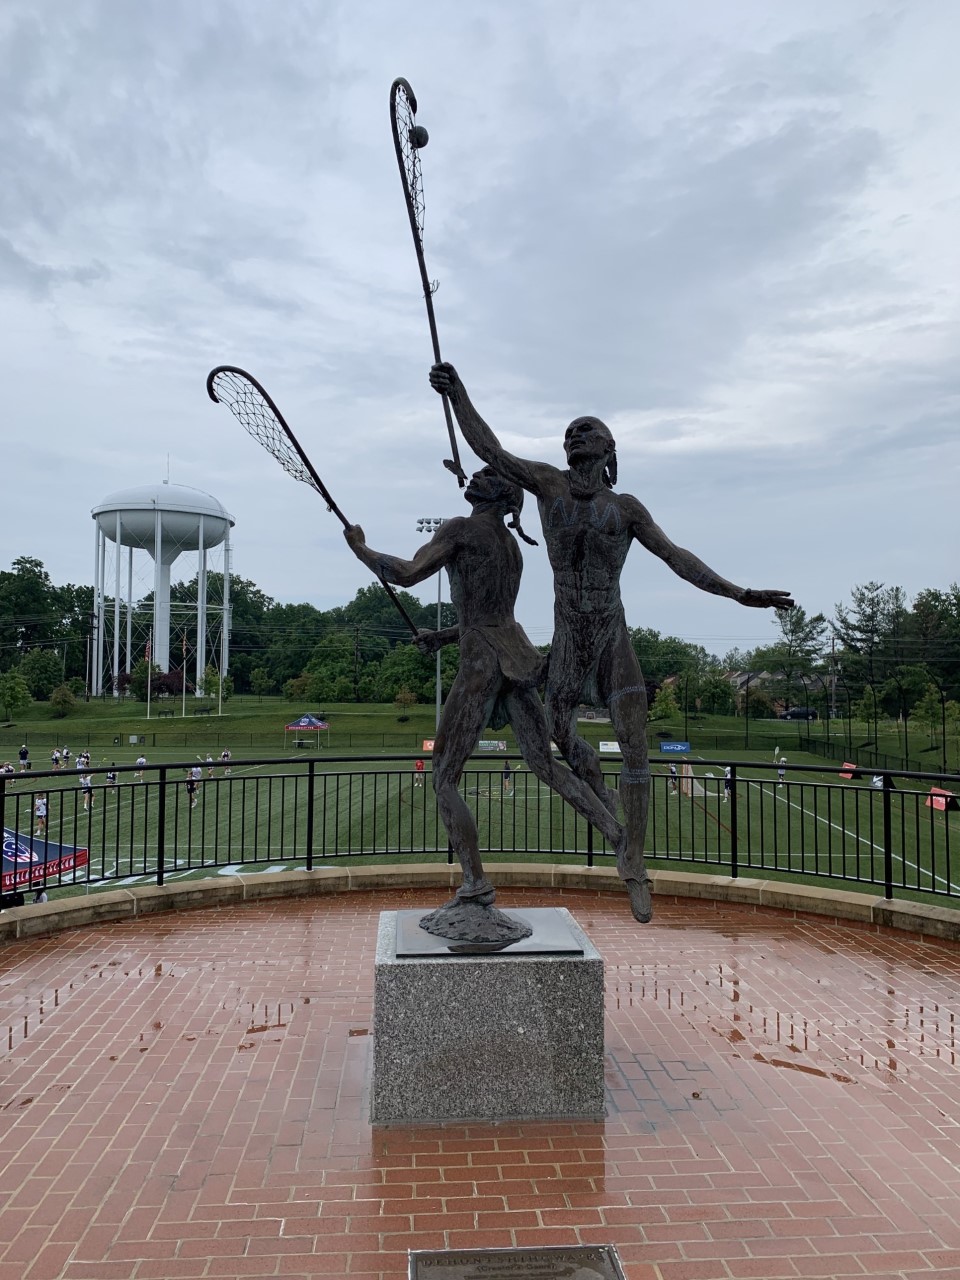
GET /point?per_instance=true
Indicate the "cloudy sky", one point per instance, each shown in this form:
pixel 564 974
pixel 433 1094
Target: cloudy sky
pixel 728 229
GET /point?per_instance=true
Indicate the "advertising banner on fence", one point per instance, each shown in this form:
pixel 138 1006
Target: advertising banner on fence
pixel 28 860
pixel 427 744
pixel 940 798
pixel 607 747
pixel 489 744
pixel 681 747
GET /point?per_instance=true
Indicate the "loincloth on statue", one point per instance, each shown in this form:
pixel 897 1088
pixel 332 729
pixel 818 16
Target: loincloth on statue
pixel 580 645
pixel 521 665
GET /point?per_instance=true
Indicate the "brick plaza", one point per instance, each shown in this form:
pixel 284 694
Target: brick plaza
pixel 185 1095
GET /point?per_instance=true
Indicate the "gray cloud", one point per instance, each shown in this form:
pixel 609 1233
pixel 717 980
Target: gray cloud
pixel 733 240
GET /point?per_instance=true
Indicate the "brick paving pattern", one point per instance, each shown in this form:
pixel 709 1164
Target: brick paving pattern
pixel 186 1096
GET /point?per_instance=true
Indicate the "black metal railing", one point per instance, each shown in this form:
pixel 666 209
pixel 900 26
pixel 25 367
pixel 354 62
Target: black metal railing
pixel 894 832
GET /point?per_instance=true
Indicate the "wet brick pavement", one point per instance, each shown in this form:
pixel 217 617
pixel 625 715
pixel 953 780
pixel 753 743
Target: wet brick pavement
pixel 186 1096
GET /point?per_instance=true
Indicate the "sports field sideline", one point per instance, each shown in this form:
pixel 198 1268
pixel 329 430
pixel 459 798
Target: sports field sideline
pixel 815 824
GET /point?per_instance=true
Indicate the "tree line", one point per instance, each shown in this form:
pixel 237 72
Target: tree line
pixel 879 655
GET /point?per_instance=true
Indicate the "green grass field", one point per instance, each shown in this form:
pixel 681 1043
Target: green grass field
pixel 817 825
pixel 256 725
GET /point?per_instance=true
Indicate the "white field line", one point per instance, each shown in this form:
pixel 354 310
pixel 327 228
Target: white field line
pixel 912 866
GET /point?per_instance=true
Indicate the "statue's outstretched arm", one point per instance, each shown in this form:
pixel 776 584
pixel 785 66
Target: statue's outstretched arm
pixel 531 475
pixel 690 567
pixel 403 573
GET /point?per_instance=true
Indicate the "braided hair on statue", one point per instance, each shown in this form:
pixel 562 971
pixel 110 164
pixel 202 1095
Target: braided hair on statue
pixel 512 496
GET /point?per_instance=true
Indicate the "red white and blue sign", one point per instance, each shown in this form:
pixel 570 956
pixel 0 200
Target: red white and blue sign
pixel 29 860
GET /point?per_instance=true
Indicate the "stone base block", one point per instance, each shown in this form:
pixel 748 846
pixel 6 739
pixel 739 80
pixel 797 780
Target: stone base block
pixel 489 1037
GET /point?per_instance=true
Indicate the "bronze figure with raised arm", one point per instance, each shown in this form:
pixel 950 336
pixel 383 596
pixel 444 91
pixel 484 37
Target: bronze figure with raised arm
pixel 588 530
pixel 499 668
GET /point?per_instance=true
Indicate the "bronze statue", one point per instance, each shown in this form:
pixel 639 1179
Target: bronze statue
pixel 588 530
pixel 499 667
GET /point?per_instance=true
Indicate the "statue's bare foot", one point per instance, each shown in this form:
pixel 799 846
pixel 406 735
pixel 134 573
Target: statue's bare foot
pixel 641 903
pixel 481 892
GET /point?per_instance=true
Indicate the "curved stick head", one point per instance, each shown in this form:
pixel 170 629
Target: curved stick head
pixel 408 138
pixel 256 412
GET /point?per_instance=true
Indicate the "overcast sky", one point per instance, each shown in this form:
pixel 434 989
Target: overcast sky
pixel 727 229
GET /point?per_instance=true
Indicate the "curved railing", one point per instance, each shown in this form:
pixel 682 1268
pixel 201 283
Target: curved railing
pixel 896 832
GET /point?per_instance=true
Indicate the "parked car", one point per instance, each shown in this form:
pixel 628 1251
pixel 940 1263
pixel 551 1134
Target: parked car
pixel 799 713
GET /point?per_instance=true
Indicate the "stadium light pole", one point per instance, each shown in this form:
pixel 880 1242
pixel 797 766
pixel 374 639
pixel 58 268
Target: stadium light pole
pixel 430 524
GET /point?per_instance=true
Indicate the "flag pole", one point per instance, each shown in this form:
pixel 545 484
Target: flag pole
pixel 183 678
pixel 149 668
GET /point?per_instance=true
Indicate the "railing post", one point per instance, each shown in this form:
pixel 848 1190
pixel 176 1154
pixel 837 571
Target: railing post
pixel 734 828
pixel 887 838
pixel 589 844
pixel 161 823
pixel 310 781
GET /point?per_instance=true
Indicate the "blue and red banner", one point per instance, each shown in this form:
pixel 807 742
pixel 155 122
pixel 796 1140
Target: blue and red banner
pixel 29 860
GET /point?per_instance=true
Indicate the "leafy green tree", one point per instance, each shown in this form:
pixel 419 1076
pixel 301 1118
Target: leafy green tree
pixel 138 679
pixel 404 700
pixel 75 608
pixel 735 660
pixel 14 694
pixel 928 709
pixel 934 629
pixel 260 682
pixel 870 633
pixel 28 610
pixel 42 670
pixel 662 656
pixel 212 686
pixel 405 667
pixel 62 700
pixel 759 706
pixel 299 689
pixel 715 695
pixel 901 692
pixel 342 689
pixel 664 705
pixel 867 709
pixel 952 717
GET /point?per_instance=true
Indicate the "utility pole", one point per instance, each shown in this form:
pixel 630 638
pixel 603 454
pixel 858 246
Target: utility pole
pixel 833 678
pixel 430 524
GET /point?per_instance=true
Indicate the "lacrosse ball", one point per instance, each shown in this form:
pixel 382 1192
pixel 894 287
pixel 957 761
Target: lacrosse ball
pixel 419 136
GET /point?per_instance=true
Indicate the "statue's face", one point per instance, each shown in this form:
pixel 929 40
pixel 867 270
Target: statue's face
pixel 485 485
pixel 586 440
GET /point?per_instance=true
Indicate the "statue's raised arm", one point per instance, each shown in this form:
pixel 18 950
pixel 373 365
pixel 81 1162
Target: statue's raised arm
pixel 533 476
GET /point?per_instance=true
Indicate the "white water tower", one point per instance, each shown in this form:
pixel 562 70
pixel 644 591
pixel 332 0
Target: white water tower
pixel 165 521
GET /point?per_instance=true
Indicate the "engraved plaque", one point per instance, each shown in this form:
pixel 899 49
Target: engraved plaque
pixel 559 1262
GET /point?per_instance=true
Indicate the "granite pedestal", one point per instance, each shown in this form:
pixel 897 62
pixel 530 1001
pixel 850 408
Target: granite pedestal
pixel 506 1036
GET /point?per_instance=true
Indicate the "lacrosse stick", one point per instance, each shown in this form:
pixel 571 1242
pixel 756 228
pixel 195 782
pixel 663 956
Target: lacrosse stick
pixel 408 139
pixel 259 416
